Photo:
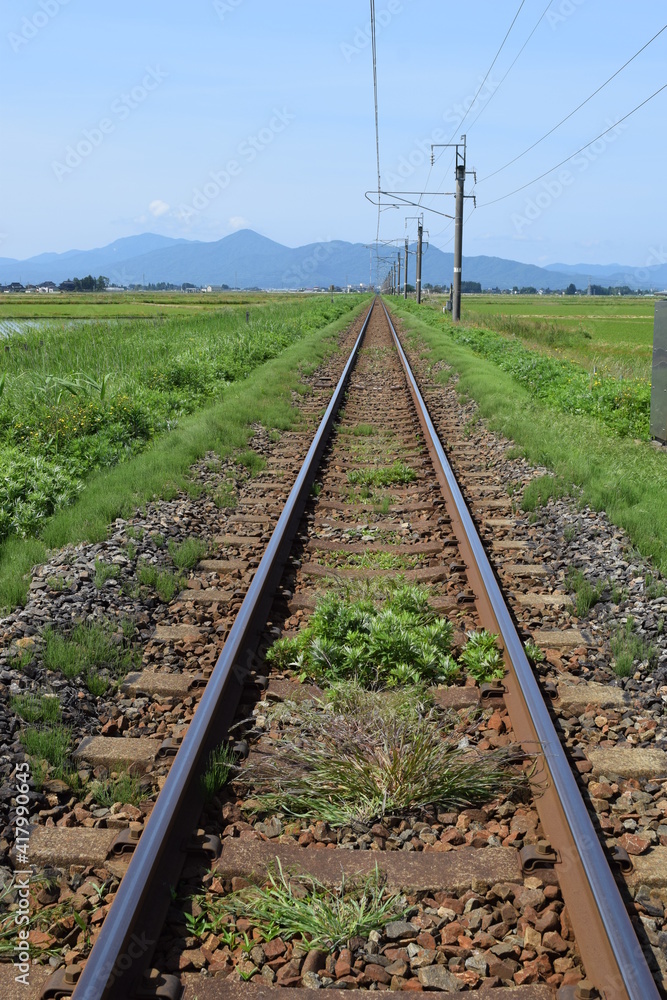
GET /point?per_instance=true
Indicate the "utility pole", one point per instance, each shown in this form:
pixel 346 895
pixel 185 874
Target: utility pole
pixel 398 272
pixel 458 230
pixel 458 221
pixel 418 279
pixel 405 280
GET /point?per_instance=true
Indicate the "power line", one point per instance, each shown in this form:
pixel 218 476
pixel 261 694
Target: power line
pixel 488 72
pixel 580 150
pixel 486 77
pixel 572 113
pixel 485 106
pixel 375 98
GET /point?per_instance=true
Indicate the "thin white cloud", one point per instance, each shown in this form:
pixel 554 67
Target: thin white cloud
pixel 158 208
pixel 238 222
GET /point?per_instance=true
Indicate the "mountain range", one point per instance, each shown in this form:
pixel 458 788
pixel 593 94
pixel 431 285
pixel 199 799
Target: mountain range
pixel 245 259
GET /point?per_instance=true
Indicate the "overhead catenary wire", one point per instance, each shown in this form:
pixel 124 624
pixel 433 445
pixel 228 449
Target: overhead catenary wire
pixel 577 151
pixel 488 72
pixel 375 101
pixel 572 113
pixel 511 67
pixel 481 86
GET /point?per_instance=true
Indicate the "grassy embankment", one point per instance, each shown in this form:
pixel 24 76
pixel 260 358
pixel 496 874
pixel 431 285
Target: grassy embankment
pixel 583 432
pixel 148 401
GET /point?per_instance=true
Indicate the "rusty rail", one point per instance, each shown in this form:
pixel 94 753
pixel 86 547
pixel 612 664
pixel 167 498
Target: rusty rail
pixel 123 951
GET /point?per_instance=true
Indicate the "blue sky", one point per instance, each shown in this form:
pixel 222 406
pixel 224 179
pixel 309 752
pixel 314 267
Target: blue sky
pixel 194 120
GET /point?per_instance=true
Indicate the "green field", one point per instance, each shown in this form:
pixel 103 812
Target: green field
pixel 77 398
pixel 564 365
pixel 589 429
pixel 125 305
pixel 613 334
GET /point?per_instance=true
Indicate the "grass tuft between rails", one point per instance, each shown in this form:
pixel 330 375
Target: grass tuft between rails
pixel 370 754
pixel 625 477
pixel 290 905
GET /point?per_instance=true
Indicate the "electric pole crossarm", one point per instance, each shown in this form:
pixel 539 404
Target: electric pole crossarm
pixel 401 202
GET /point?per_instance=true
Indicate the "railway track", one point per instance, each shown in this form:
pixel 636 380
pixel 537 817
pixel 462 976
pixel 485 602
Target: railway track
pixel 511 894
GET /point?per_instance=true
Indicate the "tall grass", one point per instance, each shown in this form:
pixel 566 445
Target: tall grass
pixel 161 469
pixel 624 477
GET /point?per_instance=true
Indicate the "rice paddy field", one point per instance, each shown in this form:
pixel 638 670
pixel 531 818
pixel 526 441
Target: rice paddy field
pixel 609 333
pixel 128 305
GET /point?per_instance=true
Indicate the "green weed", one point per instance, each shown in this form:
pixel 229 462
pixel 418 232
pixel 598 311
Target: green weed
pixel 401 643
pixel 481 656
pixel 251 461
pixel 87 649
pixel 290 906
pixel 654 587
pixel 539 491
pixel 225 497
pixel 393 475
pixel 51 745
pixel 218 768
pixel 377 758
pixel 533 652
pixel 124 788
pixel 105 571
pixel 164 582
pixel 35 708
pixel 628 648
pixel 21 659
pixel 186 555
pixel 382 506
pixel 587 595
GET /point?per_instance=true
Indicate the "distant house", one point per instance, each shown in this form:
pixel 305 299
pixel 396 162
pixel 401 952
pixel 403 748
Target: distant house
pixel 46 286
pixel 15 286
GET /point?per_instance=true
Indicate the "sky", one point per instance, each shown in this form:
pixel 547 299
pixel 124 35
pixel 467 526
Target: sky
pixel 198 119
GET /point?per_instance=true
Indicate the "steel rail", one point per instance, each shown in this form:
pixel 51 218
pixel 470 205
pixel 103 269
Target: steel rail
pixel 616 964
pixel 124 948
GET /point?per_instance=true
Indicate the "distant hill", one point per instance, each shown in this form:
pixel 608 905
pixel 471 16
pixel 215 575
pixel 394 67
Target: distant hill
pixel 246 259
pixel 654 276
